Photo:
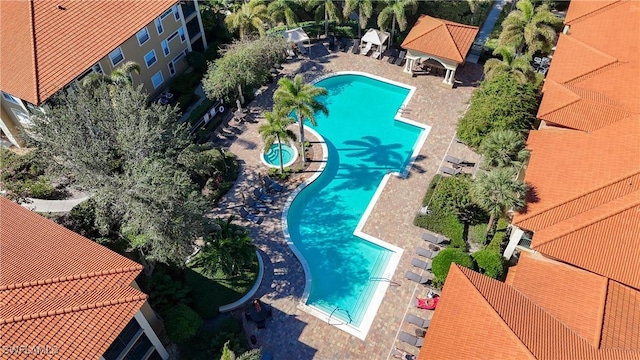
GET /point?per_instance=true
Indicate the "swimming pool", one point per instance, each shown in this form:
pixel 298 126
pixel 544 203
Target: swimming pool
pixel 347 271
pixel 271 158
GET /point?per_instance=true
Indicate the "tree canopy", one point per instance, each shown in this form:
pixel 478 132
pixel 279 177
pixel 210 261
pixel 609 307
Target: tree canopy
pixel 500 103
pixel 533 29
pixel 125 151
pixel 250 17
pixel 243 64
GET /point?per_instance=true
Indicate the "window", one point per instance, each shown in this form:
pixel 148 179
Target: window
pixel 127 335
pixel 116 56
pixel 139 349
pixel 143 36
pixel 22 116
pixel 159 27
pixel 10 98
pixel 181 32
pixel 157 79
pixel 172 68
pixel 150 58
pixel 166 13
pixel 165 48
pixel 176 13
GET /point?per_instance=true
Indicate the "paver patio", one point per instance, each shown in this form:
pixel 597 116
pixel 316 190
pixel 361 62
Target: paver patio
pixel 292 333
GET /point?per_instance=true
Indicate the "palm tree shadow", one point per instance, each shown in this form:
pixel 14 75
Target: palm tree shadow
pixel 531 197
pixel 372 150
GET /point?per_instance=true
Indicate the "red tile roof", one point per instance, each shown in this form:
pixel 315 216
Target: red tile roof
pixel 482 318
pixel 49 46
pixel 589 84
pixel 441 38
pixel 76 297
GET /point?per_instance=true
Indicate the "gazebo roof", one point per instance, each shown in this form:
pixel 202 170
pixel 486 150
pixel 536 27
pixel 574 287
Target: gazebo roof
pixel 441 38
pixel 375 36
pixel 296 35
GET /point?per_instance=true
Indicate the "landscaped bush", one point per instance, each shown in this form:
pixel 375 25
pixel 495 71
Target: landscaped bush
pixel 445 224
pixel 185 83
pixel 24 176
pixel 499 104
pixel 499 238
pixel 209 342
pixel 165 291
pixel 489 262
pixel 181 323
pixel 442 263
pixel 452 195
pixel 197 61
pixel 185 100
pixel 199 111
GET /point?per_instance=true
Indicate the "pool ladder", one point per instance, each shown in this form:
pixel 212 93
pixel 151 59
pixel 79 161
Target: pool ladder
pixel 391 282
pixel 342 322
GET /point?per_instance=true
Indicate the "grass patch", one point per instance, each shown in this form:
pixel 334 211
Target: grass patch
pixel 208 294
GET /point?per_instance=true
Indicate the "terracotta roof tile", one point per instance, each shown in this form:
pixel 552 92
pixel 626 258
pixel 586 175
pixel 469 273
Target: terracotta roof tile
pixel 441 38
pixel 579 9
pixel 49 47
pixel 575 297
pixel 76 297
pixel 621 326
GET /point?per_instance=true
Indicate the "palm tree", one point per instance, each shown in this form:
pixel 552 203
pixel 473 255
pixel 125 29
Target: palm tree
pixel 364 9
pixel 504 148
pixel 496 192
pixel 281 11
pixel 519 67
pixel 395 11
pixel 228 248
pixel 297 96
pixel 329 8
pixel 533 29
pixel 275 130
pixel 250 17
pixel 120 76
pixel 228 354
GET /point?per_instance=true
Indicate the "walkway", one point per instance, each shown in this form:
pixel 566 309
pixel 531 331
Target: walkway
pixel 52 206
pixel 486 29
pixel 292 333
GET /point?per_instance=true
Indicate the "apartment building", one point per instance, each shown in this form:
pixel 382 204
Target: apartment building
pixel 47 46
pixel 65 296
pixel 575 291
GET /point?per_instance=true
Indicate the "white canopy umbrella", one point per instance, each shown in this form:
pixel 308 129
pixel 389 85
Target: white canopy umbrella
pixel 295 35
pixel 376 37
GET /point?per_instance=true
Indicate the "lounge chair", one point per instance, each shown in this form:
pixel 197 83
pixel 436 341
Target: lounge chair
pixel 301 49
pixel 392 58
pixel 251 217
pixel 449 171
pixel 262 197
pixel 291 54
pixel 421 264
pixel 367 48
pixel 434 239
pixel 256 206
pixel 332 43
pixel 378 53
pixel 418 321
pixel 424 280
pixel 344 44
pixel 454 160
pixel 356 46
pixel 410 339
pixel 272 185
pixel 429 254
pixel 400 59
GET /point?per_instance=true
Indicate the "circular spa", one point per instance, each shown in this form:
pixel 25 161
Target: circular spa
pixel 271 158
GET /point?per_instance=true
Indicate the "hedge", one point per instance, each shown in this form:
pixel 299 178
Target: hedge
pixel 442 263
pixel 182 323
pixel 490 262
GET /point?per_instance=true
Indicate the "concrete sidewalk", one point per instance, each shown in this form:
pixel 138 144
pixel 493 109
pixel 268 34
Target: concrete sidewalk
pixel 52 206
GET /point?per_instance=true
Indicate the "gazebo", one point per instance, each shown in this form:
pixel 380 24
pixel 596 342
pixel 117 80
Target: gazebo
pixel 296 36
pixel 375 37
pixel 440 42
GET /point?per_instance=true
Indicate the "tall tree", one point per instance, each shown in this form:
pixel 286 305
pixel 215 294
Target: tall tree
pixel 395 11
pixel 364 8
pixel 249 18
pixel 297 96
pixel 327 8
pixel 275 130
pixel 504 148
pixel 533 29
pixel 243 64
pixel 519 67
pixel 498 191
pixel 227 248
pixel 120 76
pixel 125 151
pixel 283 11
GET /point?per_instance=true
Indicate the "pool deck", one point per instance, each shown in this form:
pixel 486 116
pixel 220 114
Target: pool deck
pixel 293 333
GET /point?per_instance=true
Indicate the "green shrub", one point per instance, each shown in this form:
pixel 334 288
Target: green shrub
pixel 196 60
pixel 199 111
pixel 499 238
pixel 452 195
pixel 182 323
pixel 442 263
pixel 185 83
pixel 209 342
pixel 489 262
pixel 431 188
pixel 187 99
pixel 24 175
pixel 345 31
pixel 165 291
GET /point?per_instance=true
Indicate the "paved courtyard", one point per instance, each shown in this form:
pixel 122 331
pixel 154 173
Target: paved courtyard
pixel 292 333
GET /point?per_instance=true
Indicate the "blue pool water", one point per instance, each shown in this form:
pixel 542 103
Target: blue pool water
pixel 364 143
pixel 272 156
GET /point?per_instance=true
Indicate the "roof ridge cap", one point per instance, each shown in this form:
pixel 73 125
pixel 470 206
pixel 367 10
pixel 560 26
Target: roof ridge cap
pixel 612 65
pixel 63 311
pixel 71 277
pixel 34 50
pixel 601 216
pixel 566 90
pixel 453 41
pixel 492 308
pixel 525 216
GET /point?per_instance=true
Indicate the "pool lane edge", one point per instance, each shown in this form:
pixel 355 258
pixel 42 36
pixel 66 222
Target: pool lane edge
pixel 374 305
